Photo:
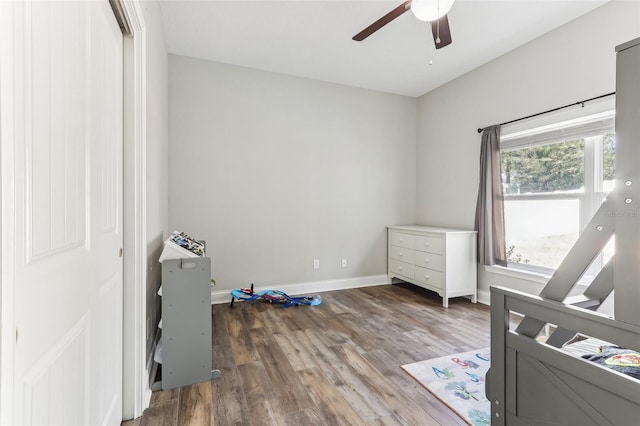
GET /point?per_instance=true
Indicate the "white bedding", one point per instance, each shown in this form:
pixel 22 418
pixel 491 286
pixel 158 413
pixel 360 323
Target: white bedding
pixel 587 346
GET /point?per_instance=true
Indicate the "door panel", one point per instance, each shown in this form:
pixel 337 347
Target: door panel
pixel 68 210
pixel 55 144
pixel 55 387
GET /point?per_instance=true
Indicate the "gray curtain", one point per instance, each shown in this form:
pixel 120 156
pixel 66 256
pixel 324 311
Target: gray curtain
pixel 490 206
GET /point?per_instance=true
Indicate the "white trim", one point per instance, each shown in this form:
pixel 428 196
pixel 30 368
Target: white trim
pixel 586 126
pixel 224 296
pixel 521 274
pixel 545 196
pixel 484 297
pixel 7 203
pixel 136 400
pixel 152 366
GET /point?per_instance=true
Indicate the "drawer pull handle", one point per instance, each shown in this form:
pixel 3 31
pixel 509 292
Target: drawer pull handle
pixel 427 261
pixel 426 244
pixel 401 254
pixel 427 276
pixel 401 240
pixel 400 267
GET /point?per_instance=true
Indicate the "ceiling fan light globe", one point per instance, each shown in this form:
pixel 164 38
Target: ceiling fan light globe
pixel 430 10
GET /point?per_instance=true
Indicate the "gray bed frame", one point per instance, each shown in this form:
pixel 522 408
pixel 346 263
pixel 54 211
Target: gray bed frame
pixel 532 382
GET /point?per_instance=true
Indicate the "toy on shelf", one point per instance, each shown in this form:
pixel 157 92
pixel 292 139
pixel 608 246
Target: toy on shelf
pixel 180 246
pixel 273 296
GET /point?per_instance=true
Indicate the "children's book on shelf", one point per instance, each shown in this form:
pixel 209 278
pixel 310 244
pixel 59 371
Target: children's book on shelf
pixel 180 245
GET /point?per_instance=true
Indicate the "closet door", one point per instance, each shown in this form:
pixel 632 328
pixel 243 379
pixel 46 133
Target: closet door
pixel 62 188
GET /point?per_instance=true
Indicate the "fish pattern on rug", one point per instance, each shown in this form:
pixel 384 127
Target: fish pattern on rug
pixel 457 380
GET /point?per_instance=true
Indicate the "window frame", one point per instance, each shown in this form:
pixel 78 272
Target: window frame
pixel 592 129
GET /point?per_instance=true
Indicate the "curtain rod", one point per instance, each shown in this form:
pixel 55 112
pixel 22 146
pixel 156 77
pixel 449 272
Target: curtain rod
pixel 552 110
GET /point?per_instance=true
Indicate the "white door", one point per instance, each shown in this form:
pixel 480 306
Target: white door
pixel 65 201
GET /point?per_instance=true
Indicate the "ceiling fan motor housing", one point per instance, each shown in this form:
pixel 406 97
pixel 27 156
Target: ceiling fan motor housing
pixel 430 10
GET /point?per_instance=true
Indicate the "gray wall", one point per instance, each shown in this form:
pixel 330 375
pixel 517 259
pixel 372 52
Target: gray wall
pixel 574 62
pixel 275 171
pixel 157 128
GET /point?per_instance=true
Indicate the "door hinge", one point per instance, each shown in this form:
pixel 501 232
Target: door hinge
pixel 16 335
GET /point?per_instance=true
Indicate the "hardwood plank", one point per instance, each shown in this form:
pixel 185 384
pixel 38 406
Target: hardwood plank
pixel 194 408
pixel 390 369
pixel 337 330
pixel 436 343
pixel 290 345
pixel 219 331
pixel 241 344
pixel 304 417
pixel 310 317
pixel 164 395
pixel 331 404
pixel 336 304
pixel 161 414
pixel 286 387
pixel 403 409
pixel 361 399
pixel 278 320
pixel 228 397
pixel 250 316
pixel 386 421
pixel 264 409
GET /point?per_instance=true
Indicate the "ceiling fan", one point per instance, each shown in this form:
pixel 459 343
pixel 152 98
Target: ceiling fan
pixel 433 11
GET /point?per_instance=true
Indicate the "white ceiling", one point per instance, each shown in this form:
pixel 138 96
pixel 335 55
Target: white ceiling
pixel 312 39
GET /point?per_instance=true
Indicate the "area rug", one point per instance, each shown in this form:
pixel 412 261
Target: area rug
pixel 458 381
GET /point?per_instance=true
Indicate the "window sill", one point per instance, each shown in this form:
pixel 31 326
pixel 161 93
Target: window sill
pixel 514 272
pixel 533 276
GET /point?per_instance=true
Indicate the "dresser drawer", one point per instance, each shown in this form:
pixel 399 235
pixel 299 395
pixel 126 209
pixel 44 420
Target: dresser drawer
pixel 402 254
pixel 429 276
pixel 402 240
pixel 429 260
pixel 401 268
pixel 429 243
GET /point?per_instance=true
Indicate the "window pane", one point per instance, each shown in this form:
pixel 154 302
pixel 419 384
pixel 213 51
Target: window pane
pixel 540 232
pixel 548 168
pixel 608 161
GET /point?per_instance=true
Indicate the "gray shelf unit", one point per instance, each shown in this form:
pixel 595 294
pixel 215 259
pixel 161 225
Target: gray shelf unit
pixel 186 323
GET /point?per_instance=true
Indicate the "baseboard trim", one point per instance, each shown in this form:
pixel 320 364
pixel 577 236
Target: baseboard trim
pixel 224 296
pixel 152 369
pixel 484 297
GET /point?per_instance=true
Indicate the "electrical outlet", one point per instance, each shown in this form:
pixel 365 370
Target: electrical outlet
pixel 344 263
pixel 316 264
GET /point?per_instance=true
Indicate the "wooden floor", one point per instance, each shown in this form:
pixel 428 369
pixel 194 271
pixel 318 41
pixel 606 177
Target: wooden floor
pixel 334 364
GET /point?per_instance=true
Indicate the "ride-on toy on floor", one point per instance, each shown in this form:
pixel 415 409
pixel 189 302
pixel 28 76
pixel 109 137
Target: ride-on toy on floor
pixel 273 296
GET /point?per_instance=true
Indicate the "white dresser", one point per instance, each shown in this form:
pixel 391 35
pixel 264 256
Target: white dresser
pixel 439 259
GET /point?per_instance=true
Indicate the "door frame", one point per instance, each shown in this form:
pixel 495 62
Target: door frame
pixel 136 392
pixel 136 389
pixel 7 230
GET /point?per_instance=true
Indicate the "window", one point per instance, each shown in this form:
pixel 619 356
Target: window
pixel 554 179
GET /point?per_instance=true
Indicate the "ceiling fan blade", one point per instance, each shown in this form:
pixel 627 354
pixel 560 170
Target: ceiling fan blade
pixel 383 21
pixel 440 30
